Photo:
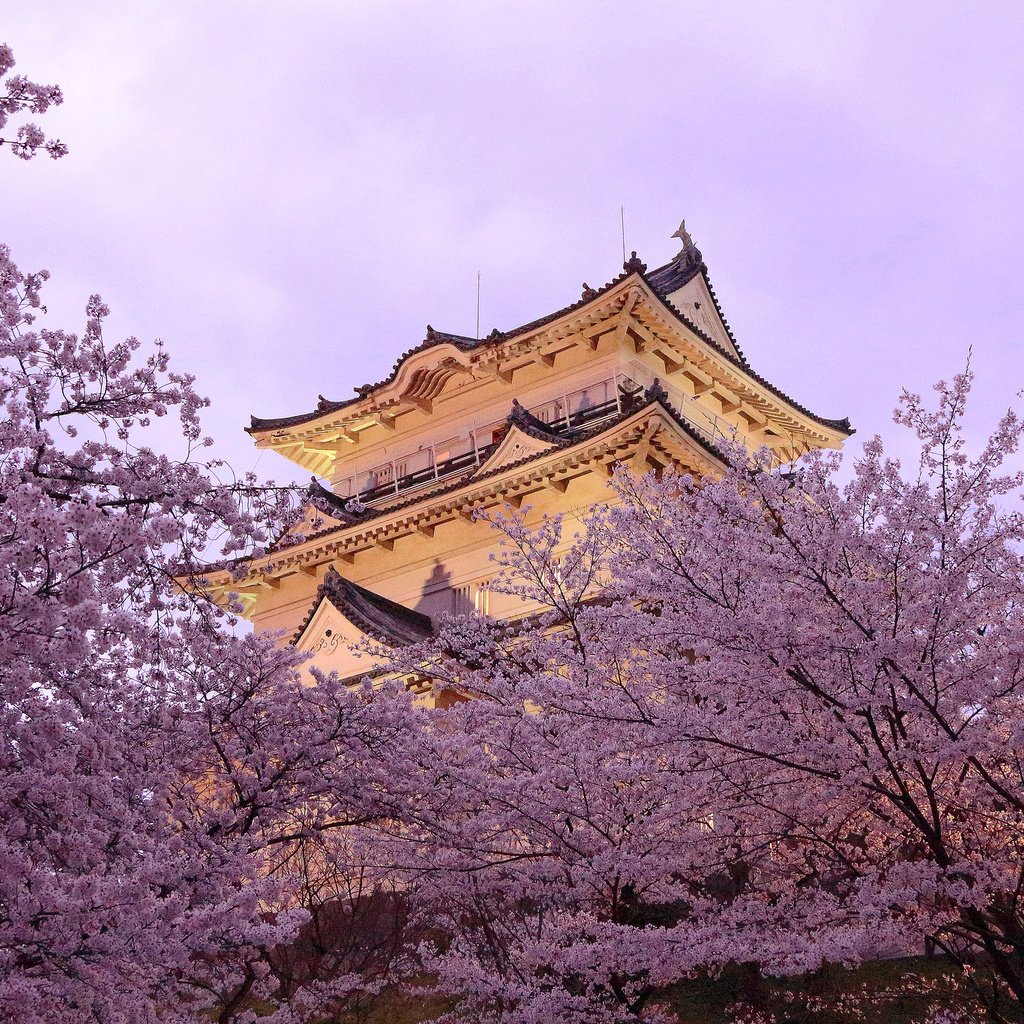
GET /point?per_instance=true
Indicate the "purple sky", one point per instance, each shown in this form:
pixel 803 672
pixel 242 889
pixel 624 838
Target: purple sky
pixel 288 193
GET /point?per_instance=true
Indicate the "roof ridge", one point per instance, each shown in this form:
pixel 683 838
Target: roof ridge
pixel 348 510
pixel 687 264
pixel 433 338
pixel 521 418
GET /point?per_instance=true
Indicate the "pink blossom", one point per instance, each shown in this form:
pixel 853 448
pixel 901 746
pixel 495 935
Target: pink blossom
pixel 22 95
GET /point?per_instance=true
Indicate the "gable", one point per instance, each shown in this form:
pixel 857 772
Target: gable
pixel 515 446
pixel 332 639
pixel 344 617
pixel 695 301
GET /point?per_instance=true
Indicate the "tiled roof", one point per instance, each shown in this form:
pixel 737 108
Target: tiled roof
pixel 433 338
pixel 654 395
pixel 521 417
pixel 842 425
pixel 686 265
pixel 376 616
pixel 345 509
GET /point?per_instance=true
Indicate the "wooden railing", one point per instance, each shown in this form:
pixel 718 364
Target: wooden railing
pixel 564 415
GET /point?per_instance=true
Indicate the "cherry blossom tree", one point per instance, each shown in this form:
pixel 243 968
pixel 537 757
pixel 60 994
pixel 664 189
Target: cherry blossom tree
pixel 765 719
pixel 553 851
pixel 161 772
pixel 21 95
pixel 861 646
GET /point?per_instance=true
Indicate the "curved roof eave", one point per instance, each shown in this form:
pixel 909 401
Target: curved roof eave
pixel 469 480
pixel 433 339
pixel 378 617
pixel 661 282
pixel 842 426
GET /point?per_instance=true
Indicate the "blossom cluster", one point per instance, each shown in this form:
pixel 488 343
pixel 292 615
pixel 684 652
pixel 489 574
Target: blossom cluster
pixel 21 95
pixel 160 770
pixel 762 719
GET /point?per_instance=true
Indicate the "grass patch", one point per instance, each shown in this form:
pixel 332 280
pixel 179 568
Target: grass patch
pixel 899 991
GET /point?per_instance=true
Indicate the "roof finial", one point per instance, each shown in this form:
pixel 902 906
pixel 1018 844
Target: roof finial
pixel 689 251
pixel 634 263
pixel 683 235
pixel 656 393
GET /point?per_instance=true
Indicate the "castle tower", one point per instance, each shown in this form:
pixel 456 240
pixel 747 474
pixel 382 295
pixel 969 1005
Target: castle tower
pixel 643 372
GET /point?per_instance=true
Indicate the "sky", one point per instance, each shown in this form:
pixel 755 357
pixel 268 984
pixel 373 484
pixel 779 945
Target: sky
pixel 287 193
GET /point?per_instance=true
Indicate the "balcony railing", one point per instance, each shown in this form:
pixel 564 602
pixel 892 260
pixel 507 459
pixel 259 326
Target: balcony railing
pixel 396 482
pixel 564 415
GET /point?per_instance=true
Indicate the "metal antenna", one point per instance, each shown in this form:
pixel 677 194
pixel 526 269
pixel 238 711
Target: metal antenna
pixel 622 222
pixel 478 305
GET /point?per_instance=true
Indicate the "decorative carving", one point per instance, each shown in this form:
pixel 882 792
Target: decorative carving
pixel 588 292
pixel 656 393
pixel 328 642
pixel 634 264
pixel 629 398
pixel 683 235
pixel 689 255
pixel 495 335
